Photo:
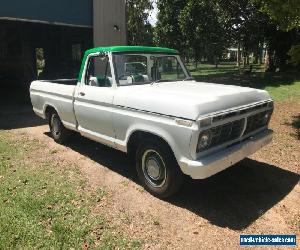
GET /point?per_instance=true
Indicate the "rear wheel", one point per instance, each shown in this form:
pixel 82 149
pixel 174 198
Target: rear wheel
pixel 59 133
pixel 158 169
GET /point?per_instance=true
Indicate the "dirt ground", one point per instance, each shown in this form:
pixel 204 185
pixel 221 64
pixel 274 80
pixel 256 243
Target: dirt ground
pixel 260 195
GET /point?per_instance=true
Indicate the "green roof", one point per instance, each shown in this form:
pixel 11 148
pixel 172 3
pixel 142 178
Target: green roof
pixel 113 49
pixel 132 49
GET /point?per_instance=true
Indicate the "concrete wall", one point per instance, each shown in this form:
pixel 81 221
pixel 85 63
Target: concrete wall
pixel 107 15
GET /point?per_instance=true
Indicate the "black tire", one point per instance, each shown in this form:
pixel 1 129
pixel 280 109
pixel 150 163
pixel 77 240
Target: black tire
pixel 157 168
pixel 59 133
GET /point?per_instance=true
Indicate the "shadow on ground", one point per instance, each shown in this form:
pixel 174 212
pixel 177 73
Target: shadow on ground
pixel 15 107
pixel 296 125
pixel 18 116
pixel 234 198
pixel 237 197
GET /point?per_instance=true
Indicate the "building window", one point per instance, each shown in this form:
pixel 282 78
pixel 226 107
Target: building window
pixel 40 60
pixel 76 52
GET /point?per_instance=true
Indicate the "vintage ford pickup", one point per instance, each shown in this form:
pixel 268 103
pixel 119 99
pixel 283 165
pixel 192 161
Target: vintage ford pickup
pixel 143 101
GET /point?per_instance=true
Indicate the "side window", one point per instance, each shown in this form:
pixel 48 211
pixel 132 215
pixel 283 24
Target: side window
pixel 131 69
pixel 170 69
pixel 98 72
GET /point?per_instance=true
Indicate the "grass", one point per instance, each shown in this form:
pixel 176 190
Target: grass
pixel 281 86
pixel 282 92
pixel 45 204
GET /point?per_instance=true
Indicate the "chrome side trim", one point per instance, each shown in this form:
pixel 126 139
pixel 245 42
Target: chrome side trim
pixel 154 113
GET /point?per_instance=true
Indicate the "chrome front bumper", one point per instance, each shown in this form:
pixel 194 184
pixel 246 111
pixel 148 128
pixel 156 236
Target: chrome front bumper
pixel 216 162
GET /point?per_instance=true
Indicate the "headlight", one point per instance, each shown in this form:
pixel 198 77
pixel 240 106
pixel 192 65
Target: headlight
pixel 204 141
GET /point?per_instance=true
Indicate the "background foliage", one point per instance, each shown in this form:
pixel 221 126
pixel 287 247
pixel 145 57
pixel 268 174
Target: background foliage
pixel 268 31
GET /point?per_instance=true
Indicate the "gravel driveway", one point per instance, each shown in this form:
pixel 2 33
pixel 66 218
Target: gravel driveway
pixel 259 195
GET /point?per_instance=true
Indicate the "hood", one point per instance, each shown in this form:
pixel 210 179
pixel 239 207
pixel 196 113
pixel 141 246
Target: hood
pixel 187 99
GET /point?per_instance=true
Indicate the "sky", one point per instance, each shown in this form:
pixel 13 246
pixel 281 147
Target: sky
pixel 153 15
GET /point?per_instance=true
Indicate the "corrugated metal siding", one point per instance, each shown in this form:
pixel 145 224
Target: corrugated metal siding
pixel 71 12
pixel 107 14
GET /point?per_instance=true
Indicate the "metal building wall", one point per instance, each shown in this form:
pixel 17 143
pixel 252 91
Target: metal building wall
pixel 109 22
pixel 72 12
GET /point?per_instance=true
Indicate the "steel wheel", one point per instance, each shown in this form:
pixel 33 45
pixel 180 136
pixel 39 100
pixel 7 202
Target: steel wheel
pixel 154 168
pixel 157 168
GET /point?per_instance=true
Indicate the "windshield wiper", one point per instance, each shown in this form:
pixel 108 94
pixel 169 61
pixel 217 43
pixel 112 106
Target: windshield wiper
pixel 189 78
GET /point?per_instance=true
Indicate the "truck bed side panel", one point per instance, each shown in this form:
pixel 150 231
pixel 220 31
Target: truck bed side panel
pixel 58 96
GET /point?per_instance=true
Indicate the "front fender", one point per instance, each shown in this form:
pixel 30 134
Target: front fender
pixel 177 137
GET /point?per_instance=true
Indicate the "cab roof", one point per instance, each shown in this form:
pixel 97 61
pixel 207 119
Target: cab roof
pixel 144 49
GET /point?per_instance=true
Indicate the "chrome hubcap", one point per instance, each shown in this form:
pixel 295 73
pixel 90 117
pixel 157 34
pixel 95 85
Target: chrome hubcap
pixel 154 168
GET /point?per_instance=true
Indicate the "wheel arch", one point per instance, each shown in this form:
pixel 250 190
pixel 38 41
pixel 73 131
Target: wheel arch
pixel 140 134
pixel 49 109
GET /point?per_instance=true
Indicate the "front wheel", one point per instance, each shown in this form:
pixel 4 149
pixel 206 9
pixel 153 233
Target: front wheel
pixel 158 169
pixel 59 133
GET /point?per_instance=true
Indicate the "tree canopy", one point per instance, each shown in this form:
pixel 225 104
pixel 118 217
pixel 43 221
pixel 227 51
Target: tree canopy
pixel 139 29
pixel 167 31
pixel 202 29
pixel 285 13
pixel 206 28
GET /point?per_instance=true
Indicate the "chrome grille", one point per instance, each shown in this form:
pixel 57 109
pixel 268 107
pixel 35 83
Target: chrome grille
pixel 227 132
pixel 232 131
pixel 257 121
pixel 239 112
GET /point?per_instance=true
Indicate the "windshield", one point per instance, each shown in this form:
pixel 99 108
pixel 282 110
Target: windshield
pixel 131 69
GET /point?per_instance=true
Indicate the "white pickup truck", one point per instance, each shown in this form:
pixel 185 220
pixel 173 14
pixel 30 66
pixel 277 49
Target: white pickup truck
pixel 143 101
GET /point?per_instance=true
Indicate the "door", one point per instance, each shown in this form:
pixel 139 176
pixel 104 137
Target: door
pixel 93 101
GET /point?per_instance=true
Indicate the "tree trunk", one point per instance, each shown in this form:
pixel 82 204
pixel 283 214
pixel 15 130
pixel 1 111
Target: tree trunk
pixel 260 55
pixel 244 59
pixel 216 62
pixel 256 55
pixel 238 57
pixel 269 62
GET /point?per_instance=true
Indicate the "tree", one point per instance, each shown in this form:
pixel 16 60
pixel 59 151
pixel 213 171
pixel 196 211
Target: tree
pixel 167 31
pixel 285 13
pixel 202 30
pixel 140 31
pixel 206 28
pixel 246 27
pixel 294 54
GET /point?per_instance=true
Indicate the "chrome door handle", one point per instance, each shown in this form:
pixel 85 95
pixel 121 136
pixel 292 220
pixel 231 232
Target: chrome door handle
pixel 82 93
